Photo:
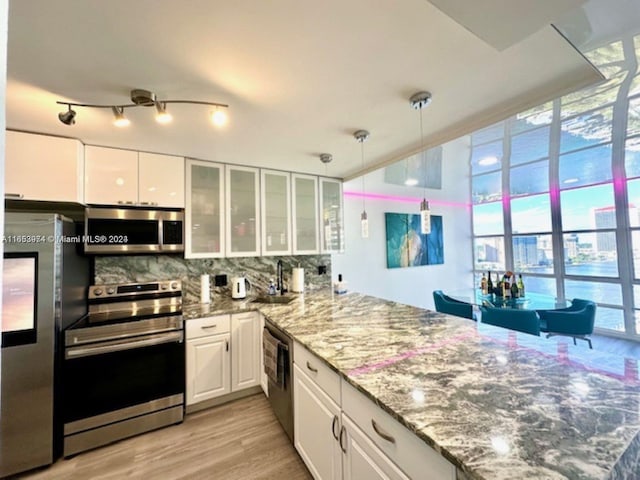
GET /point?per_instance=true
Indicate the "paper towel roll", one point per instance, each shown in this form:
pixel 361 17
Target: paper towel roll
pixel 205 289
pixel 297 280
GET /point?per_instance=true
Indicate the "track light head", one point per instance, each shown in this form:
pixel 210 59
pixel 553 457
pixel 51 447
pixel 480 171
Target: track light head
pixel 144 98
pixel 120 120
pixel 162 116
pixel 218 117
pixel 68 117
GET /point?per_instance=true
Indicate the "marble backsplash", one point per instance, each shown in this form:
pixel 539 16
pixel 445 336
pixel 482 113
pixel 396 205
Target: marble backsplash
pixel 258 270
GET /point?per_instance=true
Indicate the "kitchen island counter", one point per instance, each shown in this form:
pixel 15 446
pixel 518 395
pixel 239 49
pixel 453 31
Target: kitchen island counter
pixel 498 404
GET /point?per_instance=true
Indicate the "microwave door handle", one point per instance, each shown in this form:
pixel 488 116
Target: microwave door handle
pixel 77 352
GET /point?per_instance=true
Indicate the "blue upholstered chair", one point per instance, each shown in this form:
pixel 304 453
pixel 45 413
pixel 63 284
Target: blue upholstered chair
pixel 576 321
pixel 526 321
pixel 452 306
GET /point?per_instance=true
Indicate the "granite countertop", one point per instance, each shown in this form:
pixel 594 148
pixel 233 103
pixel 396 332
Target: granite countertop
pixel 498 404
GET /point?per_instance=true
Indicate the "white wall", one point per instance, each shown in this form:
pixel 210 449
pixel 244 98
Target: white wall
pixel 363 265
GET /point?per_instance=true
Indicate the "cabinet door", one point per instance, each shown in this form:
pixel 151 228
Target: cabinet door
pixel 243 229
pixel 245 349
pixel 40 167
pixel 203 213
pixel 362 459
pixel 331 216
pixel 111 176
pixel 208 368
pixel 160 180
pixel 276 212
pixel 305 214
pixel 316 420
pixel 264 380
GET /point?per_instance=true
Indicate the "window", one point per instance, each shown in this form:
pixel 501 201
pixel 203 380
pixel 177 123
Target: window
pixel 531 214
pixel 489 253
pixel 565 212
pixel 487 219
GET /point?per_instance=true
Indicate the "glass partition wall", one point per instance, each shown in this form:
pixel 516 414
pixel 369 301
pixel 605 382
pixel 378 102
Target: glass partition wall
pixel 556 194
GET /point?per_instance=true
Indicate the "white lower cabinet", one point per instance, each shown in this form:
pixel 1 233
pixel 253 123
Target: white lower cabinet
pixel 342 434
pixel 316 428
pixel 208 368
pixel 208 361
pixel 362 459
pixel 246 343
pixel 223 355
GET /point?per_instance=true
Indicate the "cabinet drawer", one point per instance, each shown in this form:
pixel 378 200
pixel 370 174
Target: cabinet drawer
pixel 202 327
pixel 318 371
pixel 405 449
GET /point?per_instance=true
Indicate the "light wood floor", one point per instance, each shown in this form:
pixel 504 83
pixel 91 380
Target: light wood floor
pixel 241 440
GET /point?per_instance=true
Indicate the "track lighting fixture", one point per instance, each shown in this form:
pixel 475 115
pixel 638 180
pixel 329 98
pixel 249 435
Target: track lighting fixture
pixel 418 101
pixel 143 98
pixel 68 117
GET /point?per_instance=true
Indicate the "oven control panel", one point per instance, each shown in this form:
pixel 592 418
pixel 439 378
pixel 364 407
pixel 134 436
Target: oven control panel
pixel 134 289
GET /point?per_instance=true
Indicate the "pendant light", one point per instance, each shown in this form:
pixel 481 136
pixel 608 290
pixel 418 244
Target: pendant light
pixel 418 101
pixel 361 136
pixel 326 222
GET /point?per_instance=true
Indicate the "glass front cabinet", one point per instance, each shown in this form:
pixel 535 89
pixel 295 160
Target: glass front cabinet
pixel 331 221
pixel 243 214
pixel 276 212
pixel 305 214
pixel 204 212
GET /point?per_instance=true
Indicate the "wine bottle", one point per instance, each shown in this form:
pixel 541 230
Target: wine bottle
pixel 515 293
pixel 489 283
pixel 483 285
pixel 521 285
pixel 506 287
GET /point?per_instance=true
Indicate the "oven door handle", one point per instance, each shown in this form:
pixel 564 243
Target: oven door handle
pixel 116 346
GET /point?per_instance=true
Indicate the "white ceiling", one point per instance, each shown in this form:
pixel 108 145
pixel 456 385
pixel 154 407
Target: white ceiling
pixel 300 76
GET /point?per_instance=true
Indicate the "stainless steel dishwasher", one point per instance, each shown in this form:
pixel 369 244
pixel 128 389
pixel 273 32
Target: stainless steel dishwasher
pixel 281 399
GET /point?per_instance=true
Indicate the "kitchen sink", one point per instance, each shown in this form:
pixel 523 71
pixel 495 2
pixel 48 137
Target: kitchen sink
pixel 272 299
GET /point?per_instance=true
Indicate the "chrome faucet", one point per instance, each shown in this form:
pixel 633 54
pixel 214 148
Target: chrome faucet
pixel 280 273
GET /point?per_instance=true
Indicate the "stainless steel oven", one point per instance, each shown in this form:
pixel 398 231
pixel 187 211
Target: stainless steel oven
pixel 124 366
pixel 133 230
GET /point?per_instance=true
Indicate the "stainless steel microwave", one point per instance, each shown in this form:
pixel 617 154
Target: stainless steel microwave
pixel 133 230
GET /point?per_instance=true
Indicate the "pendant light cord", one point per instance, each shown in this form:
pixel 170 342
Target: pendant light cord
pixel 363 174
pixel 424 191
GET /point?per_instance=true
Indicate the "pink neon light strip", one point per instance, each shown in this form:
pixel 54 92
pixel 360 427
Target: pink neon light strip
pixel 395 198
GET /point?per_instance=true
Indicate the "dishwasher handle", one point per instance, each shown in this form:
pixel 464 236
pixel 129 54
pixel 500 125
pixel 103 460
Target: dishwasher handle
pixel 117 346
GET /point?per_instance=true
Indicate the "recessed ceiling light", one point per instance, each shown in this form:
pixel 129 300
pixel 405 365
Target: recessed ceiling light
pixel 487 161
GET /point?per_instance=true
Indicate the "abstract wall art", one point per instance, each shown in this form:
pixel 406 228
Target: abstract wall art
pixel 407 247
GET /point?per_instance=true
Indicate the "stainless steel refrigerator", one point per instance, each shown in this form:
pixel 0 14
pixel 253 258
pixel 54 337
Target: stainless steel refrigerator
pixel 44 290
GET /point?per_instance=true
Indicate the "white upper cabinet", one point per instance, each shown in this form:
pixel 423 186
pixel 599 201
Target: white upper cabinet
pixel 276 212
pixel 111 176
pixel 204 220
pixel 41 167
pixel 160 180
pixel 305 214
pixel 125 177
pixel 243 213
pixel 331 216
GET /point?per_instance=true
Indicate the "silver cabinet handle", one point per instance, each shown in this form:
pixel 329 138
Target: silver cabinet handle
pixel 13 195
pixel 342 446
pixel 385 436
pixel 204 327
pixel 333 427
pixel 314 370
